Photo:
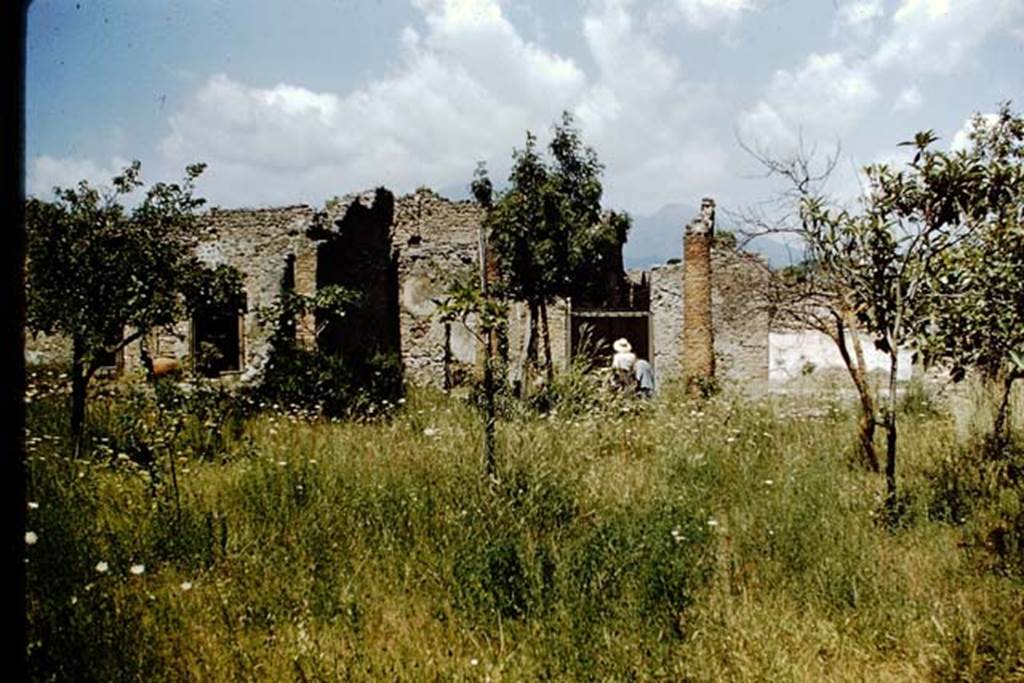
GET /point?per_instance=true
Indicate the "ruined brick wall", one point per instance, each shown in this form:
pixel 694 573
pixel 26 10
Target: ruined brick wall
pixel 698 335
pixel 741 322
pixel 258 242
pixel 740 325
pixel 436 239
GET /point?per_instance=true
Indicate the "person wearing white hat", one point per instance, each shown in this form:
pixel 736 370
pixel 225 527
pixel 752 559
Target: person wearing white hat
pixel 622 363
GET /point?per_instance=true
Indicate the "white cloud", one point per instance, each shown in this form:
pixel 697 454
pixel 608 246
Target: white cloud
pixel 466 89
pixel 962 138
pixel 824 98
pixel 861 12
pixel 764 126
pixel 704 14
pixel 939 35
pixel 858 19
pixel 46 172
pixel 909 99
pixel 644 118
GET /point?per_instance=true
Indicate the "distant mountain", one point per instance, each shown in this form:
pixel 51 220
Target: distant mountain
pixel 655 238
pixel 658 237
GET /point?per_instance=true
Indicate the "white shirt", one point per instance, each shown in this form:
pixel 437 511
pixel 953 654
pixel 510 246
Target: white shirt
pixel 623 361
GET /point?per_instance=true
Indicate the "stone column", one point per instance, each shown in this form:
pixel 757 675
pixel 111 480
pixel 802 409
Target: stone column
pixel 698 339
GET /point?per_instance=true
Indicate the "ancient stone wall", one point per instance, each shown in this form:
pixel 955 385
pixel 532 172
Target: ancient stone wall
pixel 259 243
pixel 436 240
pixel 740 326
pixel 402 254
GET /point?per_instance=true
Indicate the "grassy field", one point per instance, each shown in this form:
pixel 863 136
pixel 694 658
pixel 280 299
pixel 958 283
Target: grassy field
pixel 724 540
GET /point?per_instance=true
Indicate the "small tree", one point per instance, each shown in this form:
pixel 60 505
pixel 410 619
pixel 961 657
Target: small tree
pixel 815 294
pixel 548 230
pixel 105 276
pixel 976 291
pixel 467 298
pixel 933 258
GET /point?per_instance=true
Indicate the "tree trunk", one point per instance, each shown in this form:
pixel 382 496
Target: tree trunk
pixel 1000 430
pixel 447 357
pixel 79 381
pixel 147 360
pixel 530 356
pixel 890 436
pixel 855 366
pixel 489 427
pixel 545 332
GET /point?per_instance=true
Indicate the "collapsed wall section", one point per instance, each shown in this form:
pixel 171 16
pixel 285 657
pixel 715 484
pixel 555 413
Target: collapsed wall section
pixel 355 251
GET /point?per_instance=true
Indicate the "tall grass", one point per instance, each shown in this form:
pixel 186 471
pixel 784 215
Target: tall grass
pixel 716 540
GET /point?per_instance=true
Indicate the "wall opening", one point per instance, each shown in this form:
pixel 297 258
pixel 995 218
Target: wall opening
pixel 591 334
pixel 109 363
pixel 217 340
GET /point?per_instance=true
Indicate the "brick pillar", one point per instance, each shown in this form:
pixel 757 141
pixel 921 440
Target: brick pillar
pixel 698 338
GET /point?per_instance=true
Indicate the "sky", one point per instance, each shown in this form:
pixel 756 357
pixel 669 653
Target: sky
pixel 296 102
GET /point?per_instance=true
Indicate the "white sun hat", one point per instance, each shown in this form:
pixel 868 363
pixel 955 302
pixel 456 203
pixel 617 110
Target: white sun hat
pixel 622 346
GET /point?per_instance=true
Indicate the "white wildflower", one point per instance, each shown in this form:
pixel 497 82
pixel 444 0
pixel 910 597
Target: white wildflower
pixel 430 432
pixel 768 482
pixel 186 585
pixel 102 567
pixel 712 522
pixel 33 506
pixel 30 538
pixel 138 569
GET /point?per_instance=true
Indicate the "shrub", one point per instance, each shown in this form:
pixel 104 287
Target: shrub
pixel 330 384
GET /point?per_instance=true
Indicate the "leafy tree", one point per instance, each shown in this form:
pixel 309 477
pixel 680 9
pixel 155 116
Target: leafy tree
pixel 548 230
pixel 816 293
pixel 104 275
pixel 931 258
pixel 934 258
pixel 976 292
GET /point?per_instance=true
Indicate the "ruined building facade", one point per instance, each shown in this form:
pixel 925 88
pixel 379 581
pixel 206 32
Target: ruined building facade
pixel 400 254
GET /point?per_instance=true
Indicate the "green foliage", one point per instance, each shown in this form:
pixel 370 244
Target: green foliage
pixel 465 302
pixel 329 384
pixel 974 295
pixel 96 267
pixel 328 304
pixel 547 228
pixel 197 420
pixel 713 540
pixel 313 380
pixel 104 275
pixel 725 239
